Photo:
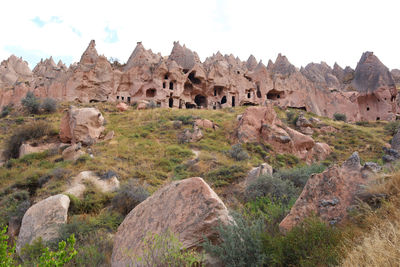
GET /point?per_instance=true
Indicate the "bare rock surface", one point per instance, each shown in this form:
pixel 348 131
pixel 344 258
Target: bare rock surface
pixel 262 124
pixel 253 174
pixel 189 208
pixel 73 152
pixel 331 193
pixel 81 125
pixel 78 183
pixel 43 220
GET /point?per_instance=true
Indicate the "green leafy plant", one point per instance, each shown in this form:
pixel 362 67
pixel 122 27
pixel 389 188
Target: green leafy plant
pixel 65 253
pixel 7 252
pixel 340 117
pixel 49 105
pixel 164 250
pixel 299 175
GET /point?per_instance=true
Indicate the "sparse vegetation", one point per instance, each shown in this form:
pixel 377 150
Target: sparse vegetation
pixel 129 196
pixel 31 103
pixel 49 105
pixel 238 153
pixel 340 117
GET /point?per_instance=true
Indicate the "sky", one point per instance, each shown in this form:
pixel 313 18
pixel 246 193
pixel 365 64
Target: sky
pixel 303 30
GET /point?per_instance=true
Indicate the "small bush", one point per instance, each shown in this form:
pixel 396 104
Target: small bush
pixel 186 120
pixel 238 153
pixel 226 175
pixel 14 207
pixel 164 250
pixel 128 197
pixel 7 253
pixel 273 187
pixel 49 105
pixel 299 175
pixel 241 243
pixel 312 243
pixel 151 104
pixel 31 103
pixel 340 117
pixel 291 117
pixel 93 201
pixel 5 111
pixel 24 133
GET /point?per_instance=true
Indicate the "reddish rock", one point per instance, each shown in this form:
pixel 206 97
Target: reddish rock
pixel 189 208
pixel 261 124
pixel 122 106
pixel 329 194
pixel 81 125
pixel 204 123
pixel 26 148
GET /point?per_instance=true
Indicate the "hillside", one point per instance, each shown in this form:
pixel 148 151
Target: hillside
pixel 149 150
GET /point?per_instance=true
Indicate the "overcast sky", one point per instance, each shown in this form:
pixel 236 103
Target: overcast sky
pixel 303 30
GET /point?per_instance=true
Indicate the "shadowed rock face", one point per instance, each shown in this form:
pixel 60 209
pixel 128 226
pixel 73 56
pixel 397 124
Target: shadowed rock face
pixel 181 80
pixel 189 208
pixel 330 194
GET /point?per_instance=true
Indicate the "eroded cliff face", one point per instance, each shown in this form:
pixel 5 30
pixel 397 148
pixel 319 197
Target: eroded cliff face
pixel 181 80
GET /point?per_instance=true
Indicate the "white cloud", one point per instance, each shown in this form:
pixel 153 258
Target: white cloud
pixel 305 31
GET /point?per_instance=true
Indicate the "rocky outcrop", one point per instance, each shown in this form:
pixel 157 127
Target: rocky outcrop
pixel 262 124
pixel 83 125
pixel 181 80
pixel 43 220
pixel 27 148
pixel 189 208
pixel 330 194
pixel 78 183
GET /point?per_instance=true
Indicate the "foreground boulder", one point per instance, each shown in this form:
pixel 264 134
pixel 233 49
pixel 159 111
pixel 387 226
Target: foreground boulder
pixel 43 220
pixel 261 124
pixel 81 125
pixel 331 193
pixel 189 208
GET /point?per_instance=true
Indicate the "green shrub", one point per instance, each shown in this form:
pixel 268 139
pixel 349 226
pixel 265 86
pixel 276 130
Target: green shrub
pixel 5 111
pixel 24 133
pixel 31 103
pixel 49 105
pixel 340 117
pixel 299 175
pixel 164 250
pixel 13 207
pixel 273 187
pixel 93 201
pixel 284 160
pixel 312 243
pixel 392 127
pixel 226 175
pixel 241 243
pixel 186 120
pixel 151 104
pixel 238 153
pixel 128 197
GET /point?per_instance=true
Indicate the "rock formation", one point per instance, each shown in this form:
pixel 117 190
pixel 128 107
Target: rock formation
pixel 261 124
pixel 81 125
pixel 181 80
pixel 330 194
pixel 43 220
pixel 189 208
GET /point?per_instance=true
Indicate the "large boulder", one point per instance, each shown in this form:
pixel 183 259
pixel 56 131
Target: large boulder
pixel 43 220
pixel 189 208
pixel 261 124
pixel 81 125
pixel 331 193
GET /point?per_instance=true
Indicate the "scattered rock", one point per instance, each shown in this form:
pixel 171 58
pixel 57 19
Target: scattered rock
pixel 26 148
pixel 256 172
pixel 204 123
pixel 77 187
pixel 43 220
pixel 328 194
pixel 122 106
pixel 73 152
pixel 188 136
pixel 303 122
pixel 81 125
pixel 189 208
pixel 109 136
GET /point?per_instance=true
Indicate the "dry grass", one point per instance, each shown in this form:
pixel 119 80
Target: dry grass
pixel 375 239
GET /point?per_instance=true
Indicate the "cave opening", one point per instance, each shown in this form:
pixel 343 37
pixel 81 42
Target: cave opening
pixel 171 86
pixel 233 101
pixel 129 99
pixel 248 94
pixel 258 91
pixel 150 93
pixel 275 94
pixel 171 102
pixel 189 105
pixel 164 85
pixel 378 118
pixel 93 101
pixel 367 108
pixel 122 98
pixel 249 104
pixel 223 100
pixel 166 77
pixel 188 86
pixel 193 79
pixel 117 97
pixel 201 101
